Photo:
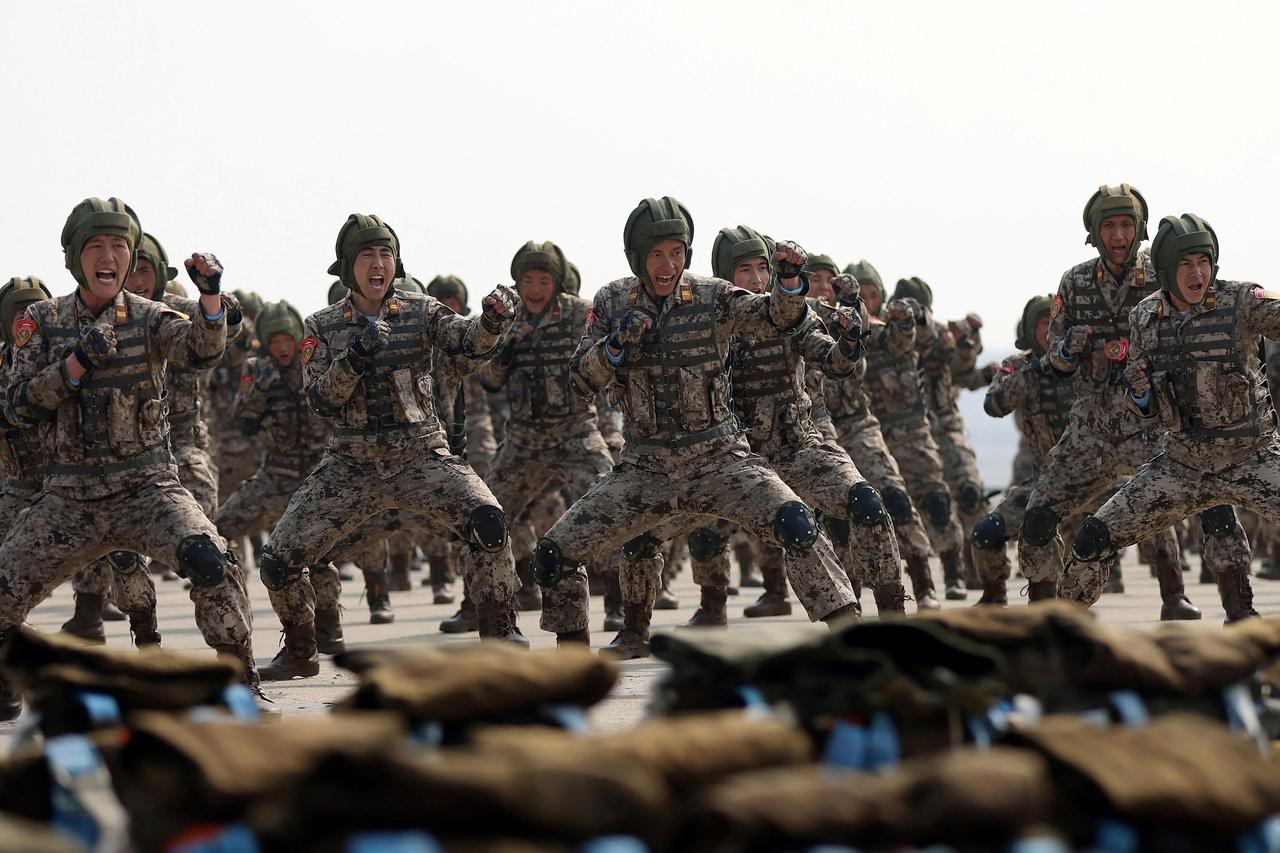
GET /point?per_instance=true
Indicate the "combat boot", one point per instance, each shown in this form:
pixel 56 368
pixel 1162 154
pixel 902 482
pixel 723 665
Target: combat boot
pixel 379 598
pixel 613 616
pixel 711 610
pixel 498 622
pixel 1237 595
pixel 581 637
pixel 252 678
pixel 111 613
pixel 86 622
pixel 329 639
pixel 633 640
pixel 298 656
pixel 529 597
pixel 891 599
pixel 464 621
pixel 666 598
pixel 951 579
pixel 398 572
pixel 749 575
pixel 439 576
pixel 143 627
pixel 1042 590
pixel 1174 602
pixel 850 612
pixel 922 583
pixel 774 601
pixel 994 593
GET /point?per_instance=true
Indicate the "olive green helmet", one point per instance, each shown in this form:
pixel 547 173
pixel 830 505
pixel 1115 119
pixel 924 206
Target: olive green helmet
pixel 914 288
pixel 444 286
pixel 821 262
pixel 572 279
pixel 358 232
pixel 177 288
pixel 92 217
pixel 1114 201
pixel 15 295
pixel 408 284
pixel 337 292
pixel 149 249
pixel 864 273
pixel 545 256
pixel 277 318
pixel 250 302
pixel 732 246
pixel 653 221
pixel 1177 236
pixel 1025 330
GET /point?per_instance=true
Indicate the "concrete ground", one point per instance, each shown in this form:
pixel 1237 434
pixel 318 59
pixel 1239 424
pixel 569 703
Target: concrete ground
pixel 418 621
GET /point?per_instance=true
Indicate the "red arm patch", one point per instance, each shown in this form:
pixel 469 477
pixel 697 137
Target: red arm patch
pixel 308 347
pixel 1057 307
pixel 22 331
pixel 246 382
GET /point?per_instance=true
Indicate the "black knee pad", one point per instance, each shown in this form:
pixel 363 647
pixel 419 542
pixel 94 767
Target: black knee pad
pixel 1218 520
pixel 837 529
pixel 969 497
pixel 704 544
pixel 1040 525
pixel 487 528
pixel 124 562
pixel 937 508
pixel 549 563
pixel 795 526
pixel 898 503
pixel 643 547
pixel 275 573
pixel 865 505
pixel 1093 540
pixel 201 561
pixel 989 534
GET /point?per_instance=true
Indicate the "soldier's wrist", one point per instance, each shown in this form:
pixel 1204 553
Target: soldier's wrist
pixel 354 361
pixel 609 347
pixel 82 359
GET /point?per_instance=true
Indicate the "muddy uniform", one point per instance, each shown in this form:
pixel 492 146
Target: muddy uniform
pixel 112 481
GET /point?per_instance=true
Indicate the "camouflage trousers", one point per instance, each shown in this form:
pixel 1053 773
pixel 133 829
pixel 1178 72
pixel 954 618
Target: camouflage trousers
pixel 640 574
pixel 57 535
pixel 920 462
pixel 735 485
pixel 340 496
pixel 1164 492
pixel 960 463
pixel 994 565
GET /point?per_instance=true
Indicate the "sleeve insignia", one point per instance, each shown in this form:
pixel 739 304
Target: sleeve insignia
pixel 23 331
pixel 308 347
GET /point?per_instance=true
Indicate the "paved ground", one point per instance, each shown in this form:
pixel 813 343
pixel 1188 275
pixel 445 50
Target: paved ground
pixel 417 621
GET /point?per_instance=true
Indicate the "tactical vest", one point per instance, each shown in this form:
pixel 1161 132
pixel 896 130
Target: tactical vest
pixel 538 387
pixel 675 388
pixel 116 424
pixel 296 435
pixel 769 396
pixel 1045 415
pixel 1103 359
pixel 844 398
pixel 22 454
pixel 894 386
pixel 186 409
pixel 1215 394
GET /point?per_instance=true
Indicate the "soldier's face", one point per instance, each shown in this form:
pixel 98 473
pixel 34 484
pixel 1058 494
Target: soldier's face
pixel 870 296
pixel 283 348
pixel 1042 333
pixel 536 289
pixel 1118 234
pixel 374 268
pixel 822 286
pixel 105 262
pixel 1193 276
pixel 664 264
pixel 752 274
pixel 142 280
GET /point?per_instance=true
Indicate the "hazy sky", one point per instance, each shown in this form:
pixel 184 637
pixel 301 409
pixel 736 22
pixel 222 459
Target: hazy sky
pixel 954 141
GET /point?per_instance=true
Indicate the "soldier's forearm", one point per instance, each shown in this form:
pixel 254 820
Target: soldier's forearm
pixel 787 310
pixel 591 370
pixel 333 388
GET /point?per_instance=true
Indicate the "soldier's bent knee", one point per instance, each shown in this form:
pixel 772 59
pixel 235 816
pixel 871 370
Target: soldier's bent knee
pixel 1218 520
pixel 837 529
pixel 990 534
pixel 487 528
pixel 1093 540
pixel 865 505
pixel 937 506
pixel 276 574
pixel 124 562
pixel 1040 526
pixel 898 503
pixel 643 547
pixel 201 561
pixel 969 497
pixel 549 563
pixel 795 526
pixel 704 544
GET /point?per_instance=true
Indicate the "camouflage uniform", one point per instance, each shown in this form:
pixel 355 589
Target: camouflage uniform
pixel 235 456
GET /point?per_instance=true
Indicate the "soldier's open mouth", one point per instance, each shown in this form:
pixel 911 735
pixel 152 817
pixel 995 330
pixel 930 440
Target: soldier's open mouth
pixel 106 276
pixel 666 280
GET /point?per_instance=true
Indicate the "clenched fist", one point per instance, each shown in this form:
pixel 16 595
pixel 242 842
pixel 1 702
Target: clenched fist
pixel 1137 375
pixel 96 347
pixel 498 308
pixel 1076 340
pixel 630 329
pixel 905 312
pixel 205 271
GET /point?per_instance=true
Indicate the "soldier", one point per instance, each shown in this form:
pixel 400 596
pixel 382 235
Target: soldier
pixel 663 336
pixel 367 365
pixel 552 440
pixel 1195 365
pixel 90 367
pixel 1089 337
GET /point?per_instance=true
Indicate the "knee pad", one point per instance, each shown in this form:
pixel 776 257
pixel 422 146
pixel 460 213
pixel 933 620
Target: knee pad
pixel 969 497
pixel 837 529
pixel 201 561
pixel 1040 525
pixel 487 528
pixel 1093 540
pixel 704 544
pixel 989 534
pixel 643 547
pixel 866 506
pixel 1218 520
pixel 124 562
pixel 549 563
pixel 898 503
pixel 937 507
pixel 275 573
pixel 795 527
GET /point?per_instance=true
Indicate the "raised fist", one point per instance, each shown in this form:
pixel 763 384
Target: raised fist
pixel 630 329
pixel 1137 376
pixel 905 312
pixel 96 347
pixel 1076 339
pixel 205 271
pixel 498 308
pixel 374 337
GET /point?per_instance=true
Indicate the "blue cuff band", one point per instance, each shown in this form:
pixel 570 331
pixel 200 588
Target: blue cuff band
pixel 1064 355
pixel 615 360
pixel 799 289
pixel 1143 402
pixel 222 312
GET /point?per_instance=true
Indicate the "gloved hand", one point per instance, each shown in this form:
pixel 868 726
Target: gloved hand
pixel 1076 339
pixel 852 324
pixel 267 375
pixel 630 329
pixel 96 347
pixel 498 308
pixel 1137 377
pixel 790 259
pixel 845 287
pixel 904 312
pixel 205 271
pixel 374 337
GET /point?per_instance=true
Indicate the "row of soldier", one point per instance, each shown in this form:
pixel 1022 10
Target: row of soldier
pixel 782 398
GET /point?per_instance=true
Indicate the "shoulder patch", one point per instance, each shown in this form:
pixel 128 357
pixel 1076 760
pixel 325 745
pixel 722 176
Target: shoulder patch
pixel 308 347
pixel 1262 294
pixel 22 331
pixel 246 382
pixel 591 316
pixel 1056 308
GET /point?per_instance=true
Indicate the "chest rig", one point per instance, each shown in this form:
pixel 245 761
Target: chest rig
pixel 538 386
pixel 297 434
pixel 1103 360
pixel 895 387
pixel 768 381
pixel 1045 415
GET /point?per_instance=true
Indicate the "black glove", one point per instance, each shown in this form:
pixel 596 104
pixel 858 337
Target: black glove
pixel 96 347
pixel 208 283
pixel 630 329
pixel 374 337
pixel 267 375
